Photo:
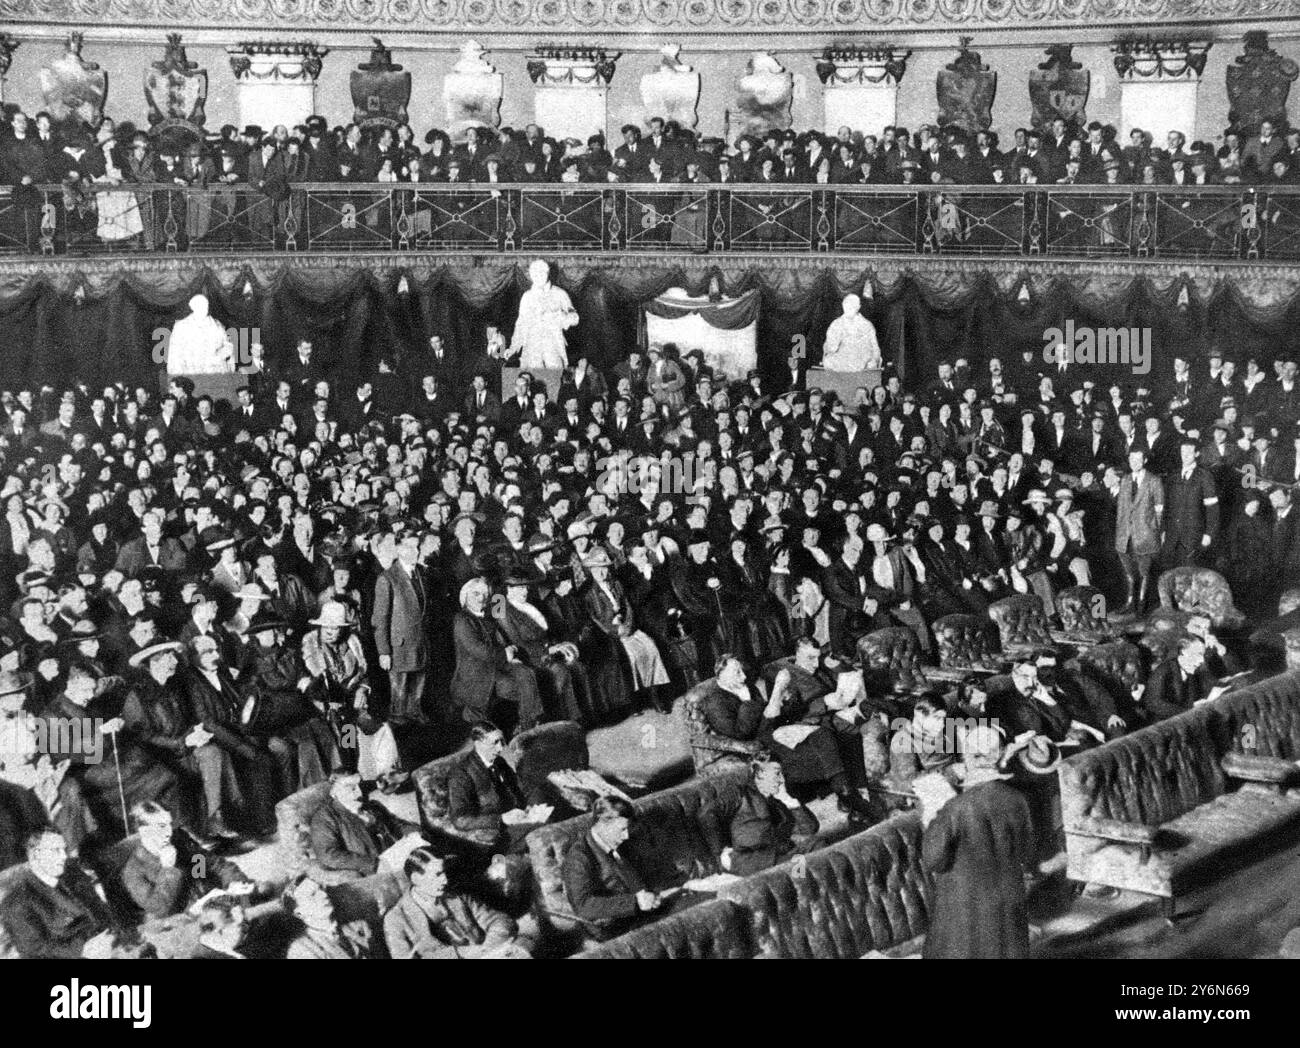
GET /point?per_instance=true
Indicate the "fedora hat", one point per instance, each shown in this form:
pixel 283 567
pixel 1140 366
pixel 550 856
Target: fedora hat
pixel 1040 757
pixel 523 576
pixel 265 625
pixel 597 558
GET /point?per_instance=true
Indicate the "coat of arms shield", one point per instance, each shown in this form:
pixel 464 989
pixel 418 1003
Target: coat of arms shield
pixel 965 90
pixel 176 88
pixel 380 89
pixel 73 88
pixel 1059 88
pixel 1258 85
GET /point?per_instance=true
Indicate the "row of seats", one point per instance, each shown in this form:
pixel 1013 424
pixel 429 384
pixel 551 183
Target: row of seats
pixel 1175 805
pixel 867 893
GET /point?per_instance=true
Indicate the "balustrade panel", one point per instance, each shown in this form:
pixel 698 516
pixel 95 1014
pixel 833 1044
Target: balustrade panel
pixel 1141 222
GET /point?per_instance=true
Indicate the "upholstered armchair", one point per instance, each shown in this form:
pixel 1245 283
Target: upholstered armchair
pixel 1161 643
pixel 965 642
pixel 707 746
pixel 1200 589
pixel 891 660
pixel 534 754
pixel 1082 611
pixel 431 793
pixel 551 747
pixel 1021 624
pixel 354 898
pixel 1115 668
pixel 1118 665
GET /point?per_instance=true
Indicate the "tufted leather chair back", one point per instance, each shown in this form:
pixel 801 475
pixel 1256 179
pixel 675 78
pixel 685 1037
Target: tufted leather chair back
pixel 555 746
pixel 293 817
pixel 1020 621
pixel 1117 665
pixel 1150 777
pixel 715 930
pixel 1199 589
pixel 707 747
pixel 669 835
pixel 1080 610
pixel 965 641
pixel 431 794
pixel 890 659
pixel 868 892
pixel 1262 720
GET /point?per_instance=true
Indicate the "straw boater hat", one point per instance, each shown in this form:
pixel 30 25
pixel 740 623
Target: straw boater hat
pixel 146 654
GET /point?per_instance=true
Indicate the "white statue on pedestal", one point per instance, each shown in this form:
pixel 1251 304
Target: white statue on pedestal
pixel 545 313
pixel 199 345
pixel 851 340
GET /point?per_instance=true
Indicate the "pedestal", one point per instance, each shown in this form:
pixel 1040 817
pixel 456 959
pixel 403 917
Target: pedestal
pixel 549 376
pixel 217 386
pixel 844 383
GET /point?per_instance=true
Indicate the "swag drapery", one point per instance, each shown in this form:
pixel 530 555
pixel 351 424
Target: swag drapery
pixel 100 325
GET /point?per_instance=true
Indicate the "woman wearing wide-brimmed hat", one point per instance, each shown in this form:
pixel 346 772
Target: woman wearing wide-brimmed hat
pixel 336 661
pixel 624 662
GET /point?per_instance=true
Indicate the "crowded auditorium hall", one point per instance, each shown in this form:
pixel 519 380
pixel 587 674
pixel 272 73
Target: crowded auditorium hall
pixel 788 480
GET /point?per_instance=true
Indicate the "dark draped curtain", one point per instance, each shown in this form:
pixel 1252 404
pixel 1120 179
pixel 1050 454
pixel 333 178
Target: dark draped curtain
pixel 106 327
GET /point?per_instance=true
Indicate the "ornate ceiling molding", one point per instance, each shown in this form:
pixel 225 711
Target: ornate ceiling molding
pixel 623 18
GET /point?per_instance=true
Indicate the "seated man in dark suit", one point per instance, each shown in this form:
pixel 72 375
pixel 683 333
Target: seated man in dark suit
pixel 766 826
pixel 161 877
pixel 344 835
pixel 788 726
pixel 484 797
pixel 57 908
pixel 606 890
pixel 1178 684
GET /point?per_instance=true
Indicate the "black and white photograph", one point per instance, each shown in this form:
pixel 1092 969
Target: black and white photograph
pixel 651 480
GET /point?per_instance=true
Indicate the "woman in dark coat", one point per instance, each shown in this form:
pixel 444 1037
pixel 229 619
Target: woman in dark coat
pixel 978 846
pixel 1246 561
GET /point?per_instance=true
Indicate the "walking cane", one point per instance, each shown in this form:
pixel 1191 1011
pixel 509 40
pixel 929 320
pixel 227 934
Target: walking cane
pixel 121 793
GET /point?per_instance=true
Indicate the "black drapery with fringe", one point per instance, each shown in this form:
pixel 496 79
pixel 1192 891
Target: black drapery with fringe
pixel 104 326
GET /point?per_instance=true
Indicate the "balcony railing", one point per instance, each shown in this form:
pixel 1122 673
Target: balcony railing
pixel 1143 222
